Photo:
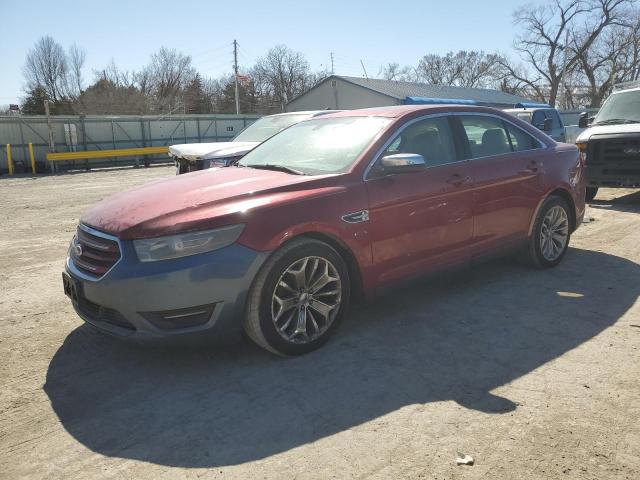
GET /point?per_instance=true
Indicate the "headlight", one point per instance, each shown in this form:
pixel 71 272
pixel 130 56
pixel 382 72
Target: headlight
pixel 183 245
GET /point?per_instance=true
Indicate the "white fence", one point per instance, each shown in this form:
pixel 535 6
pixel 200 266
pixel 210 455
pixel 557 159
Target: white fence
pixel 75 133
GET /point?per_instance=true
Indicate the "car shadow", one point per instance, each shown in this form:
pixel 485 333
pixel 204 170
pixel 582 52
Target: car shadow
pixel 454 339
pixel 626 203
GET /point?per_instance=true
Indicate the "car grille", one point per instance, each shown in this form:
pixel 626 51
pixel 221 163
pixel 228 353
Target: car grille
pixel 94 254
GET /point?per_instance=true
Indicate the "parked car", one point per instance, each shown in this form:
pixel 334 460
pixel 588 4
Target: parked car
pixel 611 144
pixel 343 204
pixel 190 157
pixel 543 117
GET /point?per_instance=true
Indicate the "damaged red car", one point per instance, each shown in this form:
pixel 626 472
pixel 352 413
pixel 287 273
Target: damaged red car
pixel 335 206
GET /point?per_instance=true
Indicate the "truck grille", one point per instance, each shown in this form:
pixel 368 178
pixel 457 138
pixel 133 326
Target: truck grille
pixel 616 150
pixel 92 253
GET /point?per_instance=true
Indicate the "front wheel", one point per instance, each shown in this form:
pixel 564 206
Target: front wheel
pixel 298 298
pixel 551 233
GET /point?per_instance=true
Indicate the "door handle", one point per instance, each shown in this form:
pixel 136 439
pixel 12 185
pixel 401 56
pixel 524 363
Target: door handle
pixel 532 167
pixel 456 179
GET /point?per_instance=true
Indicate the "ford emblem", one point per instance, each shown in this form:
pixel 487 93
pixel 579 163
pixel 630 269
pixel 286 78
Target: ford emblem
pixel 632 151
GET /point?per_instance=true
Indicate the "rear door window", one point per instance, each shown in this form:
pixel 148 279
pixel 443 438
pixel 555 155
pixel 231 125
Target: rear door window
pixel 487 136
pixel 521 140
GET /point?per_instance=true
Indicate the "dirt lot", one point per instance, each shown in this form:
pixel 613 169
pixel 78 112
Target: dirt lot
pixel 533 373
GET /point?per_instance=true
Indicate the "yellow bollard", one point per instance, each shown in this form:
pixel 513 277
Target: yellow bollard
pixel 33 159
pixel 9 159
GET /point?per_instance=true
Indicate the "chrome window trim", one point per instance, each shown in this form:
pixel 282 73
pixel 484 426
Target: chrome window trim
pixel 376 157
pixel 79 273
pixel 386 144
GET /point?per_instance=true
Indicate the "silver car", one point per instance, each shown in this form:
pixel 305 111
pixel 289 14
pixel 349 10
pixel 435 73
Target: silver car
pixel 190 157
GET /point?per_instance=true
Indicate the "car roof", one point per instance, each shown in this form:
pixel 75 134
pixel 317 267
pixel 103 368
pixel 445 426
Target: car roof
pixel 311 113
pixel 516 110
pixel 397 111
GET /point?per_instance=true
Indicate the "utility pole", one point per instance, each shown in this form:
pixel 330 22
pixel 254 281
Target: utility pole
pixel 332 70
pixel 235 70
pixel 364 70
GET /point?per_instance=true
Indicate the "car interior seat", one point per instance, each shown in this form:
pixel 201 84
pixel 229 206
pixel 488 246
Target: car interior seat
pixel 494 142
pixel 426 144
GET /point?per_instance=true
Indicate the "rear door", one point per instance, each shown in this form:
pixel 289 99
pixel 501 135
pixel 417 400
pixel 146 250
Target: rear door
pixel 507 173
pixel 421 220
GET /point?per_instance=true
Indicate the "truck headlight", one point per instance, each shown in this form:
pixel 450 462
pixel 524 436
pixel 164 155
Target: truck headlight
pixel 185 244
pixel 582 147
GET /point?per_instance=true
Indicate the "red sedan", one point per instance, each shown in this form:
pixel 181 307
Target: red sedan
pixel 341 204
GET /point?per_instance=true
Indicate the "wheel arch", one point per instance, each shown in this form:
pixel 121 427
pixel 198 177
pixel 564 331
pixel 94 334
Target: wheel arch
pixel 567 197
pixel 355 275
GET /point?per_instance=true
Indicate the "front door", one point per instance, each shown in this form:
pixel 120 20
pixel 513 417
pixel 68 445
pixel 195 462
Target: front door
pixel 422 220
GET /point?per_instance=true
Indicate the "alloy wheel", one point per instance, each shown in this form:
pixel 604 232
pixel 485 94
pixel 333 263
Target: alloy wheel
pixel 306 299
pixel 554 233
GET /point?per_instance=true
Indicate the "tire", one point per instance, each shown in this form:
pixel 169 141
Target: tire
pixel 537 256
pixel 276 287
pixel 591 193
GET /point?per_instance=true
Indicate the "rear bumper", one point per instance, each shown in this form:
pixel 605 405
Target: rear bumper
pixel 197 296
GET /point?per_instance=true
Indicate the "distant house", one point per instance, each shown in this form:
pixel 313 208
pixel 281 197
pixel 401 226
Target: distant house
pixel 346 93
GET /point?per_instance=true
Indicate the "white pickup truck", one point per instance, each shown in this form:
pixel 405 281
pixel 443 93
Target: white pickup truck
pixel 190 157
pixel 611 143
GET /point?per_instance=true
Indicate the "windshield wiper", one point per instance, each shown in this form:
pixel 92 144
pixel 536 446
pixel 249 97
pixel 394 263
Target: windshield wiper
pixel 277 168
pixel 614 121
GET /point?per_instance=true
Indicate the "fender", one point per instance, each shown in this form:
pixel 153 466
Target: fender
pixel 563 187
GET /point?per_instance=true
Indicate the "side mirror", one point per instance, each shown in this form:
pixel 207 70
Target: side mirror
pixel 403 163
pixel 548 125
pixel 583 121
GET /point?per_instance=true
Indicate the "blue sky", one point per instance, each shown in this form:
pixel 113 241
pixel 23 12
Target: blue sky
pixel 129 31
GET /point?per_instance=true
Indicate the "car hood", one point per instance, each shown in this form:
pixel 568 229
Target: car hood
pixel 207 151
pixel 196 201
pixel 607 130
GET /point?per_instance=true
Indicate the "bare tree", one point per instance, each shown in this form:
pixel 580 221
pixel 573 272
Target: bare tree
pixel 466 68
pixel 554 37
pixel 76 59
pixel 282 74
pixel 46 67
pixel 393 71
pixel 166 76
pixel 631 54
pixel 437 69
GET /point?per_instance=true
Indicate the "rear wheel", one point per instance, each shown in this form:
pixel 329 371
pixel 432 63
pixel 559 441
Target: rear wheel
pixel 551 234
pixel 591 193
pixel 298 299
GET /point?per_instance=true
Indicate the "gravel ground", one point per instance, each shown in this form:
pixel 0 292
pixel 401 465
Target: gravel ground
pixel 533 373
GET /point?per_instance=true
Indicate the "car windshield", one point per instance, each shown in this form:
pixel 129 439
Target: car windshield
pixel 316 147
pixel 267 127
pixel 621 107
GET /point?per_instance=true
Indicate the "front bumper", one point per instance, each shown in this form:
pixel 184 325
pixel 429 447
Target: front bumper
pixel 199 295
pixel 616 175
